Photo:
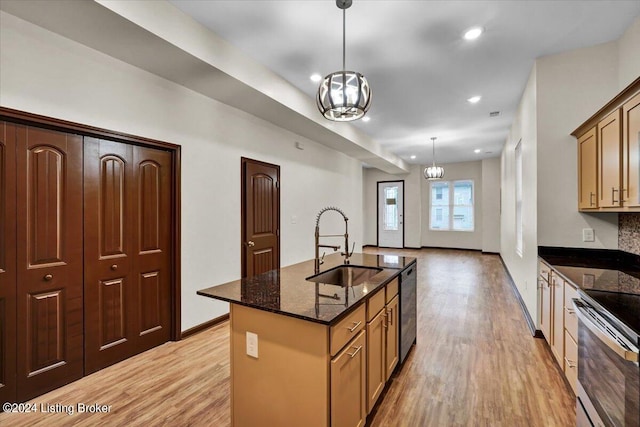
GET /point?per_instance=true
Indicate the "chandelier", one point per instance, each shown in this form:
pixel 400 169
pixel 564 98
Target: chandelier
pixel 344 96
pixel 433 172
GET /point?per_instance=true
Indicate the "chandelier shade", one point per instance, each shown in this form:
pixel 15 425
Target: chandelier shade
pixel 344 96
pixel 433 172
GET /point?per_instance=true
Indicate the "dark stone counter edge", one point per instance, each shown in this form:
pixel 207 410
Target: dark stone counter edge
pixel 610 259
pixel 336 319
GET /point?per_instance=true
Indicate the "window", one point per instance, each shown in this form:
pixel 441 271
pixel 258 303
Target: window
pixel 452 205
pixel 518 161
pixel 391 208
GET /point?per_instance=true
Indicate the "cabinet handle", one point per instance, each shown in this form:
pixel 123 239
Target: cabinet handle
pixel 48 277
pixel 389 316
pixel 571 363
pixel 613 199
pixel 591 194
pixel 570 310
pixel 355 352
pixel 355 326
pixel 250 243
pixel 114 267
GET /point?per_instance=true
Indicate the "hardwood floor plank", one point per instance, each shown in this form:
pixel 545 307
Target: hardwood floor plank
pixel 475 364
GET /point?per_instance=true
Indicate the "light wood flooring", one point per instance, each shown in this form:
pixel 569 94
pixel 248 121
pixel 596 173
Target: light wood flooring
pixel 475 364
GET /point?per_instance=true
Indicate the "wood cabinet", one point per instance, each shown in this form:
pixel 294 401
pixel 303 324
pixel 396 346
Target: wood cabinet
pixel 609 177
pixel 557 318
pixel 348 382
pixel 382 341
pixel 559 323
pixel 545 300
pixel 631 152
pixel 609 160
pixel 587 170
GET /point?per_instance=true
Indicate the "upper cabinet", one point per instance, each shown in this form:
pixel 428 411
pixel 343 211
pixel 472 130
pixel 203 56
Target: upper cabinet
pixel 609 155
pixel 631 152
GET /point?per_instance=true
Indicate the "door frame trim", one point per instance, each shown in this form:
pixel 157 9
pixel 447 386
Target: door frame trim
pixel 243 230
pixel 26 118
pixel 378 210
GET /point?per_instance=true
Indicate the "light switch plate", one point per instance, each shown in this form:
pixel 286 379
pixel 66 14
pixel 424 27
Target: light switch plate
pixel 252 344
pixel 588 235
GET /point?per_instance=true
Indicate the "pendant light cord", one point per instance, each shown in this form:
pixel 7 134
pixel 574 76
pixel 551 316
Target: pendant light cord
pixel 433 151
pixel 344 39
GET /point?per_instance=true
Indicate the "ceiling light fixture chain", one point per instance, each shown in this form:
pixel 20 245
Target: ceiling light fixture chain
pixel 344 96
pixel 433 172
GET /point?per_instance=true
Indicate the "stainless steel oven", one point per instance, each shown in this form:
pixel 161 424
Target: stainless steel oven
pixel 608 370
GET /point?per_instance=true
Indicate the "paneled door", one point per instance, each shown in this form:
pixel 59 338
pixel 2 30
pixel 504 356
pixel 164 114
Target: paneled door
pixel 7 262
pixel 609 161
pixel 391 214
pixel 127 196
pixel 260 217
pixel 49 260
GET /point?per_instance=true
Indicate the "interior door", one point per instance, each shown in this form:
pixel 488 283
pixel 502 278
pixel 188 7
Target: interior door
pixel 127 250
pixel 391 214
pixel 7 262
pixel 49 259
pixel 260 217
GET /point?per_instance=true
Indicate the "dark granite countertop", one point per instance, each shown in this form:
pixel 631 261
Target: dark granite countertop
pixel 610 279
pixel 286 290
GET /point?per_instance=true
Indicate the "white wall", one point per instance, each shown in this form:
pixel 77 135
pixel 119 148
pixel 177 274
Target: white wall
pixel 491 205
pixel 46 74
pixel 455 239
pixel 628 56
pixel 571 87
pixel 523 268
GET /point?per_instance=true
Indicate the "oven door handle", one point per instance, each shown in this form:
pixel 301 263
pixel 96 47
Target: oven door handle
pixel 630 354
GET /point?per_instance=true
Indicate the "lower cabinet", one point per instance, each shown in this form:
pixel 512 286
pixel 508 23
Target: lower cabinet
pixel 348 382
pixel 558 322
pixel 311 374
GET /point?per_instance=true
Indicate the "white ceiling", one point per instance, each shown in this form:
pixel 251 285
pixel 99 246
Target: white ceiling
pixel 412 52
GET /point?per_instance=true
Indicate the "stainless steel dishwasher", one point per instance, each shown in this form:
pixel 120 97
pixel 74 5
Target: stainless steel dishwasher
pixel 408 310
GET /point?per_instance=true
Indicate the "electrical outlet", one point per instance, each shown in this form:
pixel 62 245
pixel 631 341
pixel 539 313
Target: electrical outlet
pixel 252 344
pixel 588 235
pixel 294 219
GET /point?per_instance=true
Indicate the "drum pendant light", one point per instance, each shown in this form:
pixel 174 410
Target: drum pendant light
pixel 344 96
pixel 433 172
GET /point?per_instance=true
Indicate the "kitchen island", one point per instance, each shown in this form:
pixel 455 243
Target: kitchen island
pixel 314 348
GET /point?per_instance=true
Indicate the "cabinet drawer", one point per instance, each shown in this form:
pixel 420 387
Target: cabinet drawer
pixel 348 328
pixel 570 318
pixel 571 360
pixel 375 304
pixel 392 289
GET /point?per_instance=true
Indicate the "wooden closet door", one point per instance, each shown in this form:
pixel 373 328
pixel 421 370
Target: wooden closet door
pixel 128 226
pixel 153 245
pixel 49 260
pixel 7 262
pixel 109 238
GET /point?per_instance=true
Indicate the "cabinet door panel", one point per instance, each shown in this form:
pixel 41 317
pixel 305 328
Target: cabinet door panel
pixel 376 366
pixel 545 312
pixel 392 343
pixel 348 385
pixel 610 160
pixel 557 319
pixel 49 256
pixel 587 171
pixel 7 262
pixel 631 144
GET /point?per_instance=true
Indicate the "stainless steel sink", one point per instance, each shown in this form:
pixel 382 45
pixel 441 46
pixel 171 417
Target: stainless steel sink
pixel 345 275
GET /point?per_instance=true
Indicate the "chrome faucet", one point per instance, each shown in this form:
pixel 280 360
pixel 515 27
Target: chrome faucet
pixel 319 261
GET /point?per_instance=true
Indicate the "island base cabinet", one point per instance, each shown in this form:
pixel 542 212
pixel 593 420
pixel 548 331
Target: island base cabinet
pixel 392 353
pixel 376 347
pixel 348 384
pixel 288 383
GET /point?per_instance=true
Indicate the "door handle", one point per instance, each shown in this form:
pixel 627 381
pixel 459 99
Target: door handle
pixel 251 243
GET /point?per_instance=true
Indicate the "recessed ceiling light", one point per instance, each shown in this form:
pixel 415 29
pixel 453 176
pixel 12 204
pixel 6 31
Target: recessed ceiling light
pixel 413 156
pixel 474 99
pixel 477 150
pixel 315 77
pixel 473 33
pixel 366 118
